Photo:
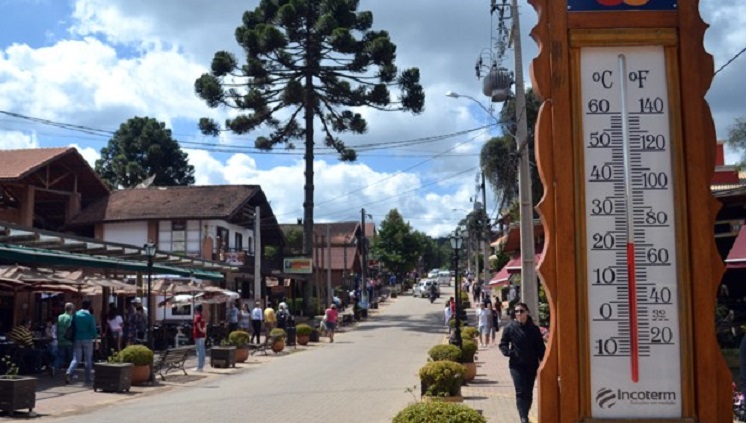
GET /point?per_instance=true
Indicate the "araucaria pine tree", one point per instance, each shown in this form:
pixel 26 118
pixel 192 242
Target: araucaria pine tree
pixel 307 62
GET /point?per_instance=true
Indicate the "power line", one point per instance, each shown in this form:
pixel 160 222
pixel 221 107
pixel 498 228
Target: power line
pixel 227 148
pixel 729 61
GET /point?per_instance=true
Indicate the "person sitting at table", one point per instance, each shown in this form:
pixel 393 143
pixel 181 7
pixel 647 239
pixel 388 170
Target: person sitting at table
pixel 29 358
pixel 21 334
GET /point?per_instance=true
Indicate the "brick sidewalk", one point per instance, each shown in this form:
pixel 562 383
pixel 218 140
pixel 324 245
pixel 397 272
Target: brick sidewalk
pixel 491 391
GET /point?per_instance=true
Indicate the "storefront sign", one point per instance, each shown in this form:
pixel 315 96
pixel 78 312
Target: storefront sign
pixel 298 265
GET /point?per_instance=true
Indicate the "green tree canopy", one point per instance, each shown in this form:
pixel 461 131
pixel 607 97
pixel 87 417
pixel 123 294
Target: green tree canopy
pixel 307 60
pixel 737 138
pixel 396 245
pixel 499 156
pixel 140 148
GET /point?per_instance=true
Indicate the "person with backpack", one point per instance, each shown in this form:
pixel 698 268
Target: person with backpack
pixel 283 316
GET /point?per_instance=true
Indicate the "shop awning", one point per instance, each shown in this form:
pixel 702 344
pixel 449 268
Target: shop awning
pixel 511 268
pixel 18 254
pixel 737 256
pixel 502 278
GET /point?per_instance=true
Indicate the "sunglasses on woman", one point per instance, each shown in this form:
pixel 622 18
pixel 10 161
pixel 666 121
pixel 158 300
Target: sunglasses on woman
pixel 520 311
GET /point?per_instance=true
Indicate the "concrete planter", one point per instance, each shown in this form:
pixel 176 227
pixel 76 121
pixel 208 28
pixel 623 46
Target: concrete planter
pixel 223 357
pixel 112 377
pixel 17 393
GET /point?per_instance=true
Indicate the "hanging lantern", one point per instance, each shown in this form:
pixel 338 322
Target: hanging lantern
pixel 497 83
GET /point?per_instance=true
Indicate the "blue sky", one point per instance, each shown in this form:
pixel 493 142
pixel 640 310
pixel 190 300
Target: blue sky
pixel 97 63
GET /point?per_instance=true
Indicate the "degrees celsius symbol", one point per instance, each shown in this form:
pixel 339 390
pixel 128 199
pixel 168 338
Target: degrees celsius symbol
pixel 630 222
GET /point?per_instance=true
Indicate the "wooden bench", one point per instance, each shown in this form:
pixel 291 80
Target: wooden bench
pixel 347 319
pixel 171 359
pixel 263 347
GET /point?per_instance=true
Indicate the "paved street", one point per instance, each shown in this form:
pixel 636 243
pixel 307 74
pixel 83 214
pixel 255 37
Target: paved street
pixel 362 376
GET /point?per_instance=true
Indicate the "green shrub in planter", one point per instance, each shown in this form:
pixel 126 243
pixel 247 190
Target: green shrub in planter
pixel 444 352
pixel 452 323
pixel 277 334
pixel 139 355
pixel 469 332
pixel 438 412
pixel 303 329
pixel 442 378
pixel 239 338
pixel 464 299
pixel 468 349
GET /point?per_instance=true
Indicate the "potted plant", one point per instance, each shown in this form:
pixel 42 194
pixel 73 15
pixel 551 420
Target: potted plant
pixel 438 412
pixel 444 352
pixel 113 375
pixel 141 358
pixel 277 336
pixel 469 332
pixel 442 380
pixel 315 335
pixel 223 355
pixel 303 333
pixel 16 392
pixel 240 340
pixel 468 351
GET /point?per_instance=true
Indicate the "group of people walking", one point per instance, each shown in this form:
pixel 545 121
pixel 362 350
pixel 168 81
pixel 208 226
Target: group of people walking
pixel 521 341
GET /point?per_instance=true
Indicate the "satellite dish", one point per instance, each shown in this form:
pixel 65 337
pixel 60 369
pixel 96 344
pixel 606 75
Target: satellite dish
pixel 147 182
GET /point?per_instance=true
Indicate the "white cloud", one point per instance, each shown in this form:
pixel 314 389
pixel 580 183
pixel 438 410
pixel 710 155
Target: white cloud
pixel 89 154
pixel 13 140
pixel 137 57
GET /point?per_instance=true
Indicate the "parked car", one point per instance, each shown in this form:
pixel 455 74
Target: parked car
pixel 422 290
pixel 433 274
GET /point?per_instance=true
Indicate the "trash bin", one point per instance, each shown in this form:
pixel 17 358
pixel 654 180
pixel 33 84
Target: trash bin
pixel 290 331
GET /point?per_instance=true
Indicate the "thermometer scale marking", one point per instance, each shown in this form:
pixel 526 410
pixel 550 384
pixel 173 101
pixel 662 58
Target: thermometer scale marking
pixel 632 286
pixel 630 234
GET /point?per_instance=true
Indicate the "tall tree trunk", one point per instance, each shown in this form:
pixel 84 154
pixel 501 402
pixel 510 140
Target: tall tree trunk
pixel 308 188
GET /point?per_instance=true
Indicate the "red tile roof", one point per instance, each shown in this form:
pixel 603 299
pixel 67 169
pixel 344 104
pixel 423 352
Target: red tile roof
pixel 190 202
pixel 15 164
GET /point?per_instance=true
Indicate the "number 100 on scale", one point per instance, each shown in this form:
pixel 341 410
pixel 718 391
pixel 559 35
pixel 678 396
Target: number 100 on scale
pixel 631 275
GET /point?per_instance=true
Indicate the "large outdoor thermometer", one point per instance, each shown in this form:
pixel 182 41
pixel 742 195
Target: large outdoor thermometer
pixel 625 147
pixel 630 233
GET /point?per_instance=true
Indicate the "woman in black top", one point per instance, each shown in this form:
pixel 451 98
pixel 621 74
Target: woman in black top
pixel 523 344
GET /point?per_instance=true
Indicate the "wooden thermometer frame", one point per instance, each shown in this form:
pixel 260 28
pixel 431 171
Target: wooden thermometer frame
pixel 564 390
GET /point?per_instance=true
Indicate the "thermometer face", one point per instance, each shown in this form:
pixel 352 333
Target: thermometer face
pixel 631 276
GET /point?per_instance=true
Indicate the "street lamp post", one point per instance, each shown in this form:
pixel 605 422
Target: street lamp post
pixel 456 241
pixel 150 253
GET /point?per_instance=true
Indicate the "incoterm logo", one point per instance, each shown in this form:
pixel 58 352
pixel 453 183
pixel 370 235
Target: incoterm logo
pixel 605 397
pixel 612 3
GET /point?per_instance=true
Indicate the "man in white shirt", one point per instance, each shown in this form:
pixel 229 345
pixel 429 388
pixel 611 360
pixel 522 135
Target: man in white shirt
pixel 257 314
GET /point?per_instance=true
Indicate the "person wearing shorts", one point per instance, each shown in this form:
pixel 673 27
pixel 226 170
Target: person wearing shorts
pixel 331 316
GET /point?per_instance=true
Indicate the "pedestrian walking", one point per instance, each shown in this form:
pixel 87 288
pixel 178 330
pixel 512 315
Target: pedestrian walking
pixel 483 324
pixel 244 318
pixel 199 333
pixel 270 319
pixel 85 333
pixel 232 316
pixel 494 324
pixel 64 345
pixel 448 314
pixel 330 317
pixel 256 322
pixel 523 344
pixel 113 329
